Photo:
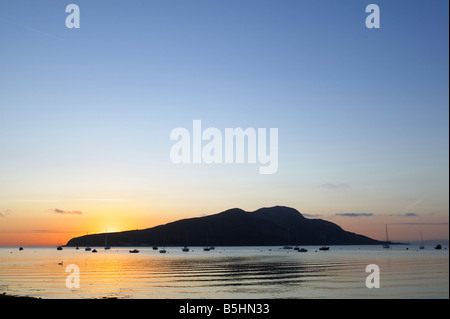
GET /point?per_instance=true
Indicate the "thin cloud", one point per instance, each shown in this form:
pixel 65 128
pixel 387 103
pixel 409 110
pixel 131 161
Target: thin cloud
pixel 33 200
pixel 34 30
pixel 60 211
pixel 425 224
pixel 38 231
pixel 404 215
pixel 335 186
pixel 412 205
pixel 5 212
pixel 355 215
pixel 106 199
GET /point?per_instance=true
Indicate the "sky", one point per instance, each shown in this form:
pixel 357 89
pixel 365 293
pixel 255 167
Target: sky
pixel 86 113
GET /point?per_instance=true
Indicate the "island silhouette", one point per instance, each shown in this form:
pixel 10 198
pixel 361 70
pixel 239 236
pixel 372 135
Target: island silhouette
pixel 268 226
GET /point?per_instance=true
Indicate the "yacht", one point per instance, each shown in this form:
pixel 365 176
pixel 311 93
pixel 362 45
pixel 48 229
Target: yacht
pixel 386 245
pixel 421 242
pixel 107 247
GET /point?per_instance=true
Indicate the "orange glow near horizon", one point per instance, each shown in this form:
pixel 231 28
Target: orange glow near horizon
pixel 54 229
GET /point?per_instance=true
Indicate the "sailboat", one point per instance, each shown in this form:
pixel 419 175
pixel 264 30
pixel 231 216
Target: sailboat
pixel 185 248
pixel 386 245
pixel 288 246
pixel 421 242
pixel 87 247
pixel 207 247
pixel 106 242
pixel 324 247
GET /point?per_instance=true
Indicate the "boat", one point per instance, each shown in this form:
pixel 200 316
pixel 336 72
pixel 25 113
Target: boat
pixel 155 247
pixel 106 242
pixel 59 248
pixel 208 247
pixel 185 248
pixel 94 250
pixel 302 250
pixel 87 249
pixel 20 248
pixel 77 248
pixel 162 251
pixel 421 242
pixel 134 251
pixel 288 246
pixel 438 246
pixel 386 245
pixel 324 247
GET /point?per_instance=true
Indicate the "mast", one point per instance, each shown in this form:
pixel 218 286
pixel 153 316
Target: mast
pixel 386 245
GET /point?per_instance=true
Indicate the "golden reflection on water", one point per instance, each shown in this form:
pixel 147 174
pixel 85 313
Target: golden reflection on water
pixel 224 273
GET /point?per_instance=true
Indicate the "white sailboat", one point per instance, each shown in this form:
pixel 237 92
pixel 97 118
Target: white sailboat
pixel 386 245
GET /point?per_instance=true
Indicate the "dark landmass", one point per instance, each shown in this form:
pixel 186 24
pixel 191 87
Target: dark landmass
pixel 271 226
pixel 4 296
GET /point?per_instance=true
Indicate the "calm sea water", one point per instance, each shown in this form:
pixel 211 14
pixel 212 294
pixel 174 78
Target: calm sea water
pixel 227 272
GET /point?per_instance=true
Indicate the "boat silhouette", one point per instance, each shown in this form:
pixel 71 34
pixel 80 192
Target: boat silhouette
pixel 386 245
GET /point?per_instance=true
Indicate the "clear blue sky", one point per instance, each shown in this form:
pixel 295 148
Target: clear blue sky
pixel 362 114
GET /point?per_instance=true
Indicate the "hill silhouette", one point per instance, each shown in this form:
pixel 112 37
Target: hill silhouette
pixel 268 226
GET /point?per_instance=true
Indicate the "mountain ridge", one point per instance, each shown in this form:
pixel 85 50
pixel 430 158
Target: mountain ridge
pixel 266 226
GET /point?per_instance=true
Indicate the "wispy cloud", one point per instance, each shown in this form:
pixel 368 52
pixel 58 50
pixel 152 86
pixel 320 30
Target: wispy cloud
pixel 37 231
pixel 426 224
pixel 404 215
pixel 412 205
pixel 5 212
pixel 335 186
pixel 60 211
pixel 34 30
pixel 32 200
pixel 355 214
pixel 106 199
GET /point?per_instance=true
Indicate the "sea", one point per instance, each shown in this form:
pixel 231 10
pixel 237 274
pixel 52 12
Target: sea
pixel 342 272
